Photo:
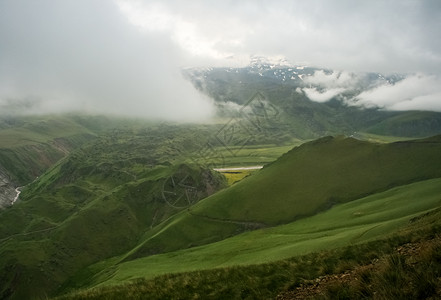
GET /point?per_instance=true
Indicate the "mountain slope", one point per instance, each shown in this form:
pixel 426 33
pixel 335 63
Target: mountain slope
pixel 93 204
pixel 375 217
pixel 310 178
pixel 30 145
pixel 287 106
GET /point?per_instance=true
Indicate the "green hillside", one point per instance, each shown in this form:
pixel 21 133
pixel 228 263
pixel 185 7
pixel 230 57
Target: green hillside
pixel 132 189
pixel 413 123
pixel 94 204
pixel 30 145
pixel 309 179
pixel 360 221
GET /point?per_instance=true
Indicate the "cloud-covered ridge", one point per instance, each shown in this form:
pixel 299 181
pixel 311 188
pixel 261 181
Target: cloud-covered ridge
pixel 416 92
pixel 413 92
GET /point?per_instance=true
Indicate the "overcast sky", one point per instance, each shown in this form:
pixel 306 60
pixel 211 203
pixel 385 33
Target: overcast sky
pixel 125 56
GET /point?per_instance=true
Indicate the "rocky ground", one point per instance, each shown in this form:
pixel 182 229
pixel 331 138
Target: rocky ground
pixel 7 190
pixel 316 288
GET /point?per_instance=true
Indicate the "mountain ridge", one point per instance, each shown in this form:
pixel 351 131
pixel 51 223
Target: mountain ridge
pixel 234 90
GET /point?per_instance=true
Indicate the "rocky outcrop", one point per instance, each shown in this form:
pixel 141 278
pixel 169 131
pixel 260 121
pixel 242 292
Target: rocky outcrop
pixel 7 190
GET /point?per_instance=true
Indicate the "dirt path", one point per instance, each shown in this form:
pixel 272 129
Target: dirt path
pixel 247 225
pixel 29 233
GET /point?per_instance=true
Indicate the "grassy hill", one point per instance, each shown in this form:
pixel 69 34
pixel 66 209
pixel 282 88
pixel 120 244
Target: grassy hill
pixel 309 179
pixel 261 262
pixel 400 266
pixel 94 204
pixel 30 145
pixel 415 123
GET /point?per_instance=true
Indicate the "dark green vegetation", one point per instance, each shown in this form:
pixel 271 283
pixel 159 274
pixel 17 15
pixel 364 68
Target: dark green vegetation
pixel 93 204
pixel 30 145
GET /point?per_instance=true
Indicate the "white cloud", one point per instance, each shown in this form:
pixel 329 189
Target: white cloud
pixel 427 102
pixel 155 17
pixel 125 55
pixel 336 79
pixel 322 96
pixel 185 31
pixel 326 85
pixel 84 56
pixel 415 92
pixel 419 92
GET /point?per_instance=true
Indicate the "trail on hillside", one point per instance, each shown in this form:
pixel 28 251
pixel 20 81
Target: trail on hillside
pixel 248 225
pixel 29 233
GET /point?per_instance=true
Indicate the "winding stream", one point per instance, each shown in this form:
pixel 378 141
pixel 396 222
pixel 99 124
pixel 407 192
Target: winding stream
pixel 17 190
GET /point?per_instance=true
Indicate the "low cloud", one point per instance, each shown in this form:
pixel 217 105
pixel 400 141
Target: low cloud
pixel 86 56
pixel 326 85
pixel 334 79
pixel 125 56
pixel 322 96
pixel 416 92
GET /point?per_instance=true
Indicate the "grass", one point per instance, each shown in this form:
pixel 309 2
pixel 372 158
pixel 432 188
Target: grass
pixel 90 206
pixel 30 145
pixel 300 186
pixel 375 138
pixel 409 123
pixel 396 277
pixel 251 154
pixel 104 204
pixel 308 179
pixel 356 222
pixel 37 130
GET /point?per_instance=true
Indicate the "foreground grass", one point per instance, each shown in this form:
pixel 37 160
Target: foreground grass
pixel 280 278
pixel 413 271
pixel 356 222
